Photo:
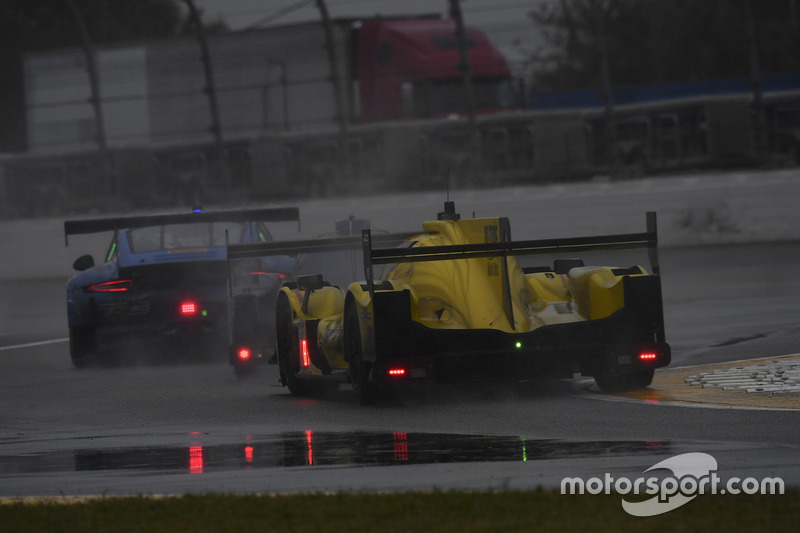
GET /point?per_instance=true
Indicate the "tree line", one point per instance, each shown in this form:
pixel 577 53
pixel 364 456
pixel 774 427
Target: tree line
pixel 40 25
pixel 661 41
pixel 645 41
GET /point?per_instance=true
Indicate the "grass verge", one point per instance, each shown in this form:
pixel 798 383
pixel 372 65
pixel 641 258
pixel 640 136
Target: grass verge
pixel 539 510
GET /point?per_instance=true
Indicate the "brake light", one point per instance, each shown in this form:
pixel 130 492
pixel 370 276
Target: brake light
pixel 397 372
pixel 188 308
pixel 647 356
pixel 121 285
pixel 304 352
pixel 244 354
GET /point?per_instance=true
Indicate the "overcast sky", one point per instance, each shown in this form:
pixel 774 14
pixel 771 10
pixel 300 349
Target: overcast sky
pixel 504 21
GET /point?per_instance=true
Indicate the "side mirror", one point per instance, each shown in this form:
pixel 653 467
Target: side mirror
pixel 84 262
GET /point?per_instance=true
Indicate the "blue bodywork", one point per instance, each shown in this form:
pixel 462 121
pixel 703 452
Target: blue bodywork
pixel 167 278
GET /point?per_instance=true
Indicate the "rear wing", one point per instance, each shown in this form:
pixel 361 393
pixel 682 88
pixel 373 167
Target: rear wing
pixel 294 248
pixel 278 214
pixel 382 256
pixel 323 244
pixel 506 247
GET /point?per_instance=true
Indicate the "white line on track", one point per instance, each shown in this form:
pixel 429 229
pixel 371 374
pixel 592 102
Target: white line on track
pixel 692 405
pixel 32 344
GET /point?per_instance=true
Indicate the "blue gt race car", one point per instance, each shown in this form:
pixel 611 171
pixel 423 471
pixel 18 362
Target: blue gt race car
pixel 166 283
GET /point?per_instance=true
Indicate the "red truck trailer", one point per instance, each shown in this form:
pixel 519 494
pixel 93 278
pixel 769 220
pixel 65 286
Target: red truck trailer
pixel 410 69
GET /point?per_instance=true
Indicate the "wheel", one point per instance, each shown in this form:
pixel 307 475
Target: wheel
pixel 359 369
pixel 286 343
pixel 245 328
pixel 82 345
pixel 243 370
pixel 626 382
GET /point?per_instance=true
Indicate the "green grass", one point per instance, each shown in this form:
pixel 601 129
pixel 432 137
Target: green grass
pixel 415 512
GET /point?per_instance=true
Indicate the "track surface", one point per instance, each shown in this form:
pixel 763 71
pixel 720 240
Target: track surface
pixel 172 429
pixel 178 428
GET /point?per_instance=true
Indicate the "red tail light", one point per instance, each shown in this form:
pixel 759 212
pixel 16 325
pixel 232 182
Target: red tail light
pixel 188 308
pixel 121 285
pixel 243 354
pixel 648 356
pixel 397 372
pixel 304 352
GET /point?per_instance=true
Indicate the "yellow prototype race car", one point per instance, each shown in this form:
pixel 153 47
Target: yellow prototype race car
pixel 455 301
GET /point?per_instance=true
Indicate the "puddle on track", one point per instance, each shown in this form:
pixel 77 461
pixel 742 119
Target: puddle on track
pixel 312 448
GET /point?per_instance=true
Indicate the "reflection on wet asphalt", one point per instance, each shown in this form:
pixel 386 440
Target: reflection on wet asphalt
pixel 311 448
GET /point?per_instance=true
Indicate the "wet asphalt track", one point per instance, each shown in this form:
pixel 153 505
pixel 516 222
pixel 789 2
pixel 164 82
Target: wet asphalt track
pixel 178 428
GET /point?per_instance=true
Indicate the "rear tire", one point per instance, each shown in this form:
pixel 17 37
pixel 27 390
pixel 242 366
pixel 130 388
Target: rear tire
pixel 286 343
pixel 82 345
pixel 360 369
pixel 626 382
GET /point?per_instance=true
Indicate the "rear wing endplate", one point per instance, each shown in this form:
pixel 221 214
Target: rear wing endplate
pixel 278 214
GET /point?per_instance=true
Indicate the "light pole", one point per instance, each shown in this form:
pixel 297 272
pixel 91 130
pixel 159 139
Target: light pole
pixel 475 140
pixel 463 60
pixel 210 89
pixel 332 59
pixel 755 82
pixel 106 163
pixel 94 83
pixel 610 131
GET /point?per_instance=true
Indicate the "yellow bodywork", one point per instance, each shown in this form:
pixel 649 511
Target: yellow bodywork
pixel 326 305
pixel 469 293
pixel 462 293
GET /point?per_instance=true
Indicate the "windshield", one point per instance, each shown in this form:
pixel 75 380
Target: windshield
pixel 175 236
